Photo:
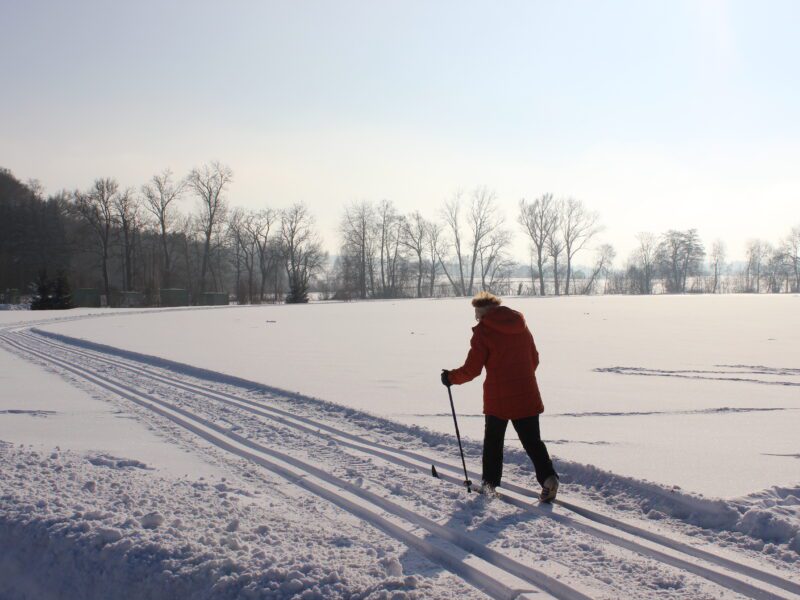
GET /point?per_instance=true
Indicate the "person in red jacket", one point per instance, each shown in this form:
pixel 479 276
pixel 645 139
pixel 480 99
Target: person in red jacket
pixel 503 344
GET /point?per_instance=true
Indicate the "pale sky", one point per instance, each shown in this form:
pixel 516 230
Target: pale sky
pixel 657 114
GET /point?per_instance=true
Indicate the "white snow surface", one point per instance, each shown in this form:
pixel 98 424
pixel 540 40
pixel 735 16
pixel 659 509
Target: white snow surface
pixel 168 454
pixel 104 531
pixel 702 392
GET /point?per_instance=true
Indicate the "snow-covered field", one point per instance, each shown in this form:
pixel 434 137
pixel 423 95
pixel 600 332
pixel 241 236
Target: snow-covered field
pixel 285 451
pixel 700 392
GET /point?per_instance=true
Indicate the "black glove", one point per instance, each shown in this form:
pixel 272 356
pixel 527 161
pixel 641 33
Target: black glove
pixel 445 378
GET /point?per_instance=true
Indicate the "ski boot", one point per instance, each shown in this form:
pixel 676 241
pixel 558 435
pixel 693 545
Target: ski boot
pixel 549 489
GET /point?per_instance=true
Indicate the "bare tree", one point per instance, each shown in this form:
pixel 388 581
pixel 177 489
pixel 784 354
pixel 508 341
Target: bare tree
pixel 96 208
pixel 235 240
pixel 679 254
pixel 415 239
pixel 209 183
pixel 538 219
pixel 556 243
pixel 497 266
pixel 302 251
pixel 488 237
pixel 434 248
pixel 645 256
pixel 791 250
pixel 670 250
pixel 258 228
pixel 778 271
pixel 126 208
pixel 358 235
pixel 185 229
pixel 693 255
pixel 160 194
pixel 605 258
pixel 757 252
pixel 451 212
pixel 245 251
pixel 390 228
pixel 578 226
pixel 494 263
pixel 717 262
pixel 483 220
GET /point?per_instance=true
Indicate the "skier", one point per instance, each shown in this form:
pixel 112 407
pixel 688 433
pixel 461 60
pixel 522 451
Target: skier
pixel 502 342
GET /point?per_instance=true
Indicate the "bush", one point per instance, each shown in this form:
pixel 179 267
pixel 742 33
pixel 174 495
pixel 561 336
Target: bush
pixel 52 294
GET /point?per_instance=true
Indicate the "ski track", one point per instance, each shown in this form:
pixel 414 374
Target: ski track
pixel 702 411
pixel 403 524
pixel 32 413
pixel 645 543
pixel 634 413
pixel 713 375
pixel 523 503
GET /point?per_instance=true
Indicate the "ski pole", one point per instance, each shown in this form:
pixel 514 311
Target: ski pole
pixel 467 482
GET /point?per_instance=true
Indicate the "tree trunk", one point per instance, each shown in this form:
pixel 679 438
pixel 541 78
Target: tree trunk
pixel 555 276
pixel 167 265
pixel 569 274
pixel 419 274
pixel 204 265
pixel 363 270
pixel 540 265
pixel 106 286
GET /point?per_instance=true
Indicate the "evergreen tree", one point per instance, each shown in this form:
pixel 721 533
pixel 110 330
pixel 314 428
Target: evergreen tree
pixel 52 294
pixel 62 293
pixel 42 299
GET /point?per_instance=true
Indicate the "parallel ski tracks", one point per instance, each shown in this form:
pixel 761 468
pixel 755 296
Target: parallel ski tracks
pixel 496 574
pixel 720 570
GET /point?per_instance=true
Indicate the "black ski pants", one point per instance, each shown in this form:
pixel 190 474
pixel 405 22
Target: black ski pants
pixel 528 431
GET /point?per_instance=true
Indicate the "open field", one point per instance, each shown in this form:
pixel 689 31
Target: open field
pixel 699 392
pixel 183 447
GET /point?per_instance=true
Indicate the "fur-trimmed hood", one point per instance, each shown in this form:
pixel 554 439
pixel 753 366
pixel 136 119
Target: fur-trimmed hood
pixel 503 320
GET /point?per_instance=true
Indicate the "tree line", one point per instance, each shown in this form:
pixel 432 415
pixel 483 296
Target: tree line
pixel 677 262
pixel 466 248
pixel 122 239
pixel 125 239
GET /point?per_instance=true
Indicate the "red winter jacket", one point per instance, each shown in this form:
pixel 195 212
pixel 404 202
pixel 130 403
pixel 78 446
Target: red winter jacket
pixel 502 343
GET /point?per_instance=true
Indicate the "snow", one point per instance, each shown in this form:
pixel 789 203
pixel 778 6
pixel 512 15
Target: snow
pixel 186 457
pixel 724 431
pixel 122 548
pixel 42 409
